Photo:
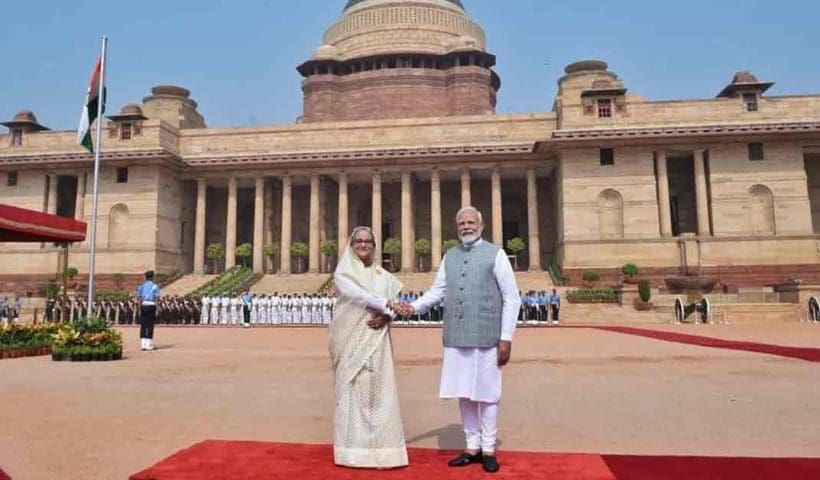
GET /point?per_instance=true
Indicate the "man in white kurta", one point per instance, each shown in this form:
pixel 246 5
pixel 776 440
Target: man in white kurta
pixel 473 374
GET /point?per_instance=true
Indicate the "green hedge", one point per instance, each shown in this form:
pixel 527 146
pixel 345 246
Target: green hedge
pixel 113 296
pixel 225 284
pixel 593 295
pixel 14 335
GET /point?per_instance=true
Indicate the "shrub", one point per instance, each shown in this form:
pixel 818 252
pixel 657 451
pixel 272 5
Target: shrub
pixel 516 245
pixel 644 290
pixel 630 270
pixel 71 272
pixel 593 295
pixel 52 289
pixel 271 250
pixel 112 296
pixel 299 250
pixel 422 246
pixel 330 248
pixel 448 244
pixel 244 252
pixel 591 276
pixel 215 252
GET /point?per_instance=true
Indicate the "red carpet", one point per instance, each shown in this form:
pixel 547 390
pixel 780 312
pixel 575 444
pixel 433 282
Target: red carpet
pixel 801 353
pixel 3 475
pixel 219 460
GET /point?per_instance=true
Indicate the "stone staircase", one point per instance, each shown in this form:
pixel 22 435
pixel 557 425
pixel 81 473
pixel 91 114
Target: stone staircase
pixel 186 285
pixel 297 283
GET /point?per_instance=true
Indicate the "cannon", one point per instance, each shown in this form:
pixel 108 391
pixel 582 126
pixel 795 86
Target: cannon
pixel 814 309
pixel 701 308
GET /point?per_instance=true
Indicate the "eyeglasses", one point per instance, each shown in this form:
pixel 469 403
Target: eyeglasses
pixel 363 242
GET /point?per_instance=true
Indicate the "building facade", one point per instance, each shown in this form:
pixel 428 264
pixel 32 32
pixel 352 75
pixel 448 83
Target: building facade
pixel 399 131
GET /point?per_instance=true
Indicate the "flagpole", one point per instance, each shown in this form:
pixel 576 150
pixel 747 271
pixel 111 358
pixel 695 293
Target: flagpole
pixel 100 105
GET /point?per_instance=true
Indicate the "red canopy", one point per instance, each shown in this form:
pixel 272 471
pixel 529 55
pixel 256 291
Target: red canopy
pixel 21 225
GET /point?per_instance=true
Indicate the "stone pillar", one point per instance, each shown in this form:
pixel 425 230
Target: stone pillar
pixel 79 204
pixel 435 219
pixel 664 209
pixel 259 226
pixel 313 234
pixel 377 216
pixel 498 217
pixel 199 227
pixel 701 197
pixel 466 201
pixel 532 221
pixel 284 245
pixel 268 224
pixel 230 226
pixel 343 214
pixel 406 222
pixel 51 206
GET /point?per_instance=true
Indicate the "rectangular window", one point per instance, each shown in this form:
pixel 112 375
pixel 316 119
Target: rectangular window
pixel 750 102
pixel 16 138
pixel 605 108
pixel 11 179
pixel 756 151
pixel 122 175
pixel 125 131
pixel 607 156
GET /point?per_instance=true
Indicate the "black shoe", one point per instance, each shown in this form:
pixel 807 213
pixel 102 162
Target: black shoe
pixel 490 464
pixel 465 459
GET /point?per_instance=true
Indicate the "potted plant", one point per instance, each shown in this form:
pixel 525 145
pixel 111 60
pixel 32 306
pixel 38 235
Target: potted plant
pixel 448 244
pixel 423 249
pixel 590 277
pixel 300 251
pixel 515 246
pixel 272 252
pixel 244 252
pixel 214 253
pixel 330 249
pixel 392 247
pixel 642 303
pixel 630 272
pixel 69 275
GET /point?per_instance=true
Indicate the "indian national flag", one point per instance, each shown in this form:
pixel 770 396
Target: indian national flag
pixel 92 99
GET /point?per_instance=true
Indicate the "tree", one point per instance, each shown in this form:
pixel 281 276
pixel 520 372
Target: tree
pixel 630 271
pixel 272 252
pixel 215 252
pixel 392 247
pixel 515 246
pixel 330 249
pixel 448 244
pixel 300 251
pixel 118 278
pixel 244 252
pixel 423 249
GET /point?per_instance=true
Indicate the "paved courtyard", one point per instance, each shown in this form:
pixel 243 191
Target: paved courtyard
pixel 567 390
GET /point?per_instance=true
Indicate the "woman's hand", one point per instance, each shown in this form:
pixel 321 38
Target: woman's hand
pixel 377 320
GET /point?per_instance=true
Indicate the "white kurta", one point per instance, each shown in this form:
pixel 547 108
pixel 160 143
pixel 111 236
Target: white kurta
pixel 474 373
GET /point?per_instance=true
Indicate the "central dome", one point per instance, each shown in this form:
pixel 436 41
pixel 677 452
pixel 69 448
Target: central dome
pixel 354 2
pixel 376 27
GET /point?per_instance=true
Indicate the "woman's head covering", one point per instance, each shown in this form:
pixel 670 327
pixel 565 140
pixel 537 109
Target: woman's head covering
pixel 351 267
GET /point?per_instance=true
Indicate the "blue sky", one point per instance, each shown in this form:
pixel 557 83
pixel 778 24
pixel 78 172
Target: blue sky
pixel 238 57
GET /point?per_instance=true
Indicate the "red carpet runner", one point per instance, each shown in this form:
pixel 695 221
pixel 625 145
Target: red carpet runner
pixel 222 460
pixel 3 475
pixel 800 353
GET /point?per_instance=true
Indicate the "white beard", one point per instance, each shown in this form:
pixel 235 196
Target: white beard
pixel 469 238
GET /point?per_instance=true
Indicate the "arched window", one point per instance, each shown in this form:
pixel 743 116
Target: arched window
pixel 761 210
pixel 611 214
pixel 118 226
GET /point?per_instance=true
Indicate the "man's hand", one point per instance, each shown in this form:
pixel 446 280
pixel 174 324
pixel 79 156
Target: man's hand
pixel 402 309
pixel 377 321
pixel 504 352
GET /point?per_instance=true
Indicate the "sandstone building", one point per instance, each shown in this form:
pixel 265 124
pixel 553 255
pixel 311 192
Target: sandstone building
pixel 399 131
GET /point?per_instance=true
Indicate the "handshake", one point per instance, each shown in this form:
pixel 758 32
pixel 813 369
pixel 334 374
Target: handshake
pixel 402 309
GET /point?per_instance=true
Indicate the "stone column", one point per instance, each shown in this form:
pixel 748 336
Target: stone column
pixel 377 216
pixel 406 222
pixel 466 201
pixel 268 224
pixel 284 245
pixel 230 226
pixel 701 197
pixel 199 226
pixel 51 206
pixel 259 226
pixel 79 204
pixel 664 209
pixel 343 213
pixel 498 217
pixel 313 234
pixel 532 221
pixel 435 219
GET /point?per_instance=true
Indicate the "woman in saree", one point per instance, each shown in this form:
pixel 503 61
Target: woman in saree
pixel 367 430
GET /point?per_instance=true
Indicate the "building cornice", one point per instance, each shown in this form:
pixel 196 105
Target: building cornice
pixel 73 159
pixel 672 132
